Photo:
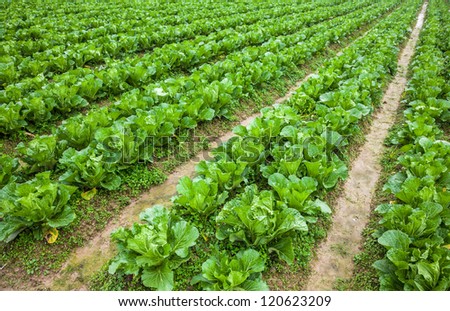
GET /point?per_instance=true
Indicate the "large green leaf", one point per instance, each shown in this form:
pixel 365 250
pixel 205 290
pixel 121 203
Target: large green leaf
pixel 255 285
pixel 8 166
pixel 250 261
pixel 284 249
pixel 430 272
pixel 10 227
pixel 184 236
pixel 63 219
pixel 156 215
pixel 394 239
pixel 159 278
pixel 290 219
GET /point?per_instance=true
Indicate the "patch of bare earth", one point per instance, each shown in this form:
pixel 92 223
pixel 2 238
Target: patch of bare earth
pixel 334 259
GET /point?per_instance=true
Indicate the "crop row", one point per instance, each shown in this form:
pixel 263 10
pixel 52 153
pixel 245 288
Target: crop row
pixel 113 20
pixel 26 23
pixel 72 90
pixel 264 189
pixel 415 225
pixel 79 132
pixel 91 150
pixel 170 56
pixel 140 37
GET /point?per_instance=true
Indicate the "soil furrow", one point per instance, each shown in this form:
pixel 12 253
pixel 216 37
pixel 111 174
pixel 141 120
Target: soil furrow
pixel 334 259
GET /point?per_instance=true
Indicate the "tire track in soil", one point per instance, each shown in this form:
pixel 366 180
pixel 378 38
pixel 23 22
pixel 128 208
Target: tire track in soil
pixel 334 257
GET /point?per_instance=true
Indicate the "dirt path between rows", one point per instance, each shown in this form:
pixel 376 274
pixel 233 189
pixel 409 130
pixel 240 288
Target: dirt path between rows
pixel 87 260
pixel 334 258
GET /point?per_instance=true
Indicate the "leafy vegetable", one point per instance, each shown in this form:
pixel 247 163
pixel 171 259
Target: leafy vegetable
pixel 257 219
pixel 199 196
pixel 227 174
pixel 42 152
pixel 8 166
pixel 38 204
pixel 86 168
pixel 241 272
pixel 410 268
pixel 295 192
pixel 154 249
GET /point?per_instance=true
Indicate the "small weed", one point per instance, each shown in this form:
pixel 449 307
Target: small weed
pixel 140 177
pixel 123 200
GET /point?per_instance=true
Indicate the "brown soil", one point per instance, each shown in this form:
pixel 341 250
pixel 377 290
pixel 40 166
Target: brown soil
pixel 334 258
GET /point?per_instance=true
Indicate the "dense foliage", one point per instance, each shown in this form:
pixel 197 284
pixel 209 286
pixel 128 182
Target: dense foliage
pixel 291 156
pixel 90 150
pixel 415 227
pixel 123 84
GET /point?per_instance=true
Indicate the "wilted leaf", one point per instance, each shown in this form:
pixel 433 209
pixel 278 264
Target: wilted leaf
pixel 88 195
pixel 51 235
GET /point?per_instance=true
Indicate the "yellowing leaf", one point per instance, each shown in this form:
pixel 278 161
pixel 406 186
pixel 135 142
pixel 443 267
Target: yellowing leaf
pixel 88 195
pixel 51 235
pixel 204 237
pixel 447 246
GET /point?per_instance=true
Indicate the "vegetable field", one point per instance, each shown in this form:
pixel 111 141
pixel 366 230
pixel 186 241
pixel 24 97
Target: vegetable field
pixel 205 145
